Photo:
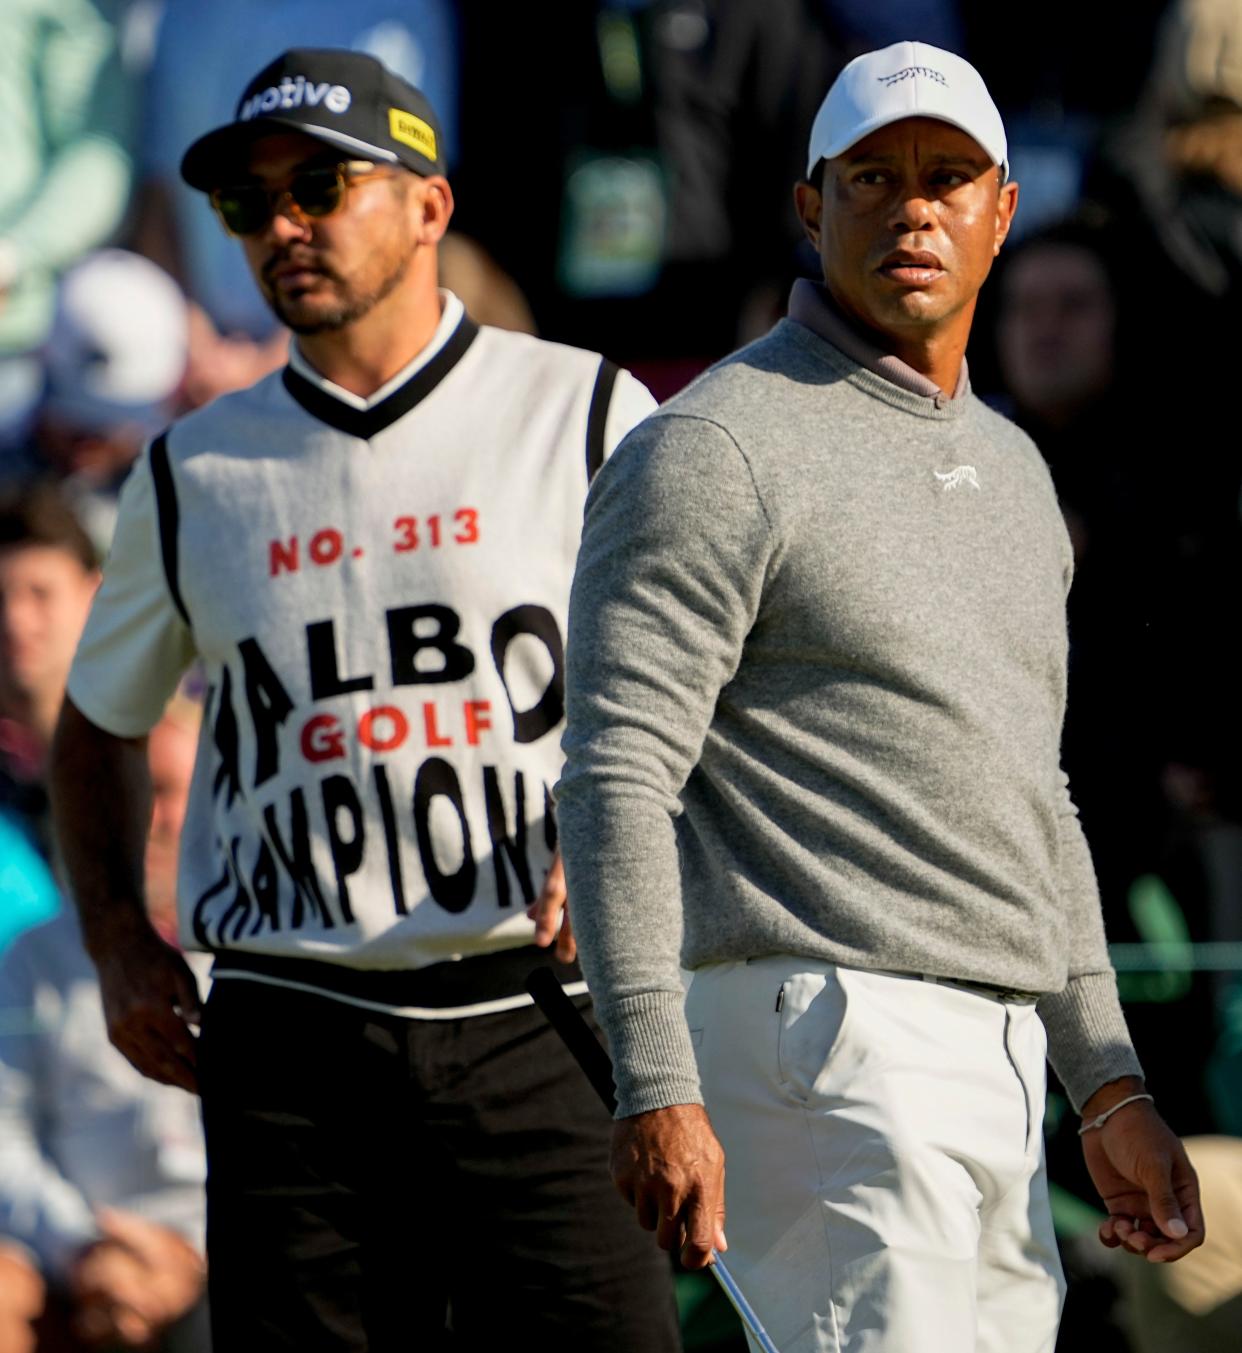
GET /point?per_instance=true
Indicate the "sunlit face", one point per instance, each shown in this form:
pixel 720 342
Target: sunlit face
pixel 45 595
pixel 907 223
pixel 1057 328
pixel 325 273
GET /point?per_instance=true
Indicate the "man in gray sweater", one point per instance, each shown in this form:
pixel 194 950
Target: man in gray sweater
pixel 816 676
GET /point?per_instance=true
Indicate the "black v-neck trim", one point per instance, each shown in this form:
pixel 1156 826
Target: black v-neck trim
pixel 366 423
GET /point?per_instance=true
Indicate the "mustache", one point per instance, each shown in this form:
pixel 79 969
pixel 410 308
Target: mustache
pixel 297 257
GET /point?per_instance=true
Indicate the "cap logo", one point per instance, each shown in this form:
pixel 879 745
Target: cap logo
pixel 909 72
pixel 413 132
pixel 296 92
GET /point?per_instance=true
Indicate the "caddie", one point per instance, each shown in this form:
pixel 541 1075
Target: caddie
pixel 370 553
pixel 816 676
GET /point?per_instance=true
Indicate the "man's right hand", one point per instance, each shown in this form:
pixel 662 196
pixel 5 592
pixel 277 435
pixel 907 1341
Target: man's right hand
pixel 150 1000
pixel 669 1167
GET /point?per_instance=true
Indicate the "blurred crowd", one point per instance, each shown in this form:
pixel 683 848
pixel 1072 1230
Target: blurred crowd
pixel 624 184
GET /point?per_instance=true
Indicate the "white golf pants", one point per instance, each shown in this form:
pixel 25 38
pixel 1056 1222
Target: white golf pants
pixel 884 1172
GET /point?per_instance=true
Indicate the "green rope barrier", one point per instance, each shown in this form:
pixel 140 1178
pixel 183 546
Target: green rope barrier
pixel 1178 956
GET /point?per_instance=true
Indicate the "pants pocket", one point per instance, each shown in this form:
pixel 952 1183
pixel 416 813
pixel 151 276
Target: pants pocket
pixel 813 1007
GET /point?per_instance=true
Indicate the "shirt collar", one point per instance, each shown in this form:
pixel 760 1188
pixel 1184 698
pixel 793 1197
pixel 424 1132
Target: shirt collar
pixel 451 312
pixel 811 306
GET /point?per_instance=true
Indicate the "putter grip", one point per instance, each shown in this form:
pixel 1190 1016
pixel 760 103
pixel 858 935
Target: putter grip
pixel 565 1017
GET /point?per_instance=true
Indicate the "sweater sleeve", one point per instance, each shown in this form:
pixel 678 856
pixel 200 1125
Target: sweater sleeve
pixel 1088 1042
pixel 674 556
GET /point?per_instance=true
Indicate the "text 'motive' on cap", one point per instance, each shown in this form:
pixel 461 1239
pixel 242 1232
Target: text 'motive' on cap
pixel 348 100
pixel 908 79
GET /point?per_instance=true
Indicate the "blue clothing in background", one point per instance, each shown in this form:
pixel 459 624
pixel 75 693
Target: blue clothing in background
pixel 868 27
pixel 28 893
pixel 80 1128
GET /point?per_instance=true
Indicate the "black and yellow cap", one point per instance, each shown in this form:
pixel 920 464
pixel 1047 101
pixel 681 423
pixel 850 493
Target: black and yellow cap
pixel 346 99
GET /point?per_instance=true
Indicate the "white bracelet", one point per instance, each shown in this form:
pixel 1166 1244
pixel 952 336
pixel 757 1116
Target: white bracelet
pixel 1101 1119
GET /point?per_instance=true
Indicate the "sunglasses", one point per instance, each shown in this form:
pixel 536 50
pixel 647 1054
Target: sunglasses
pixel 247 208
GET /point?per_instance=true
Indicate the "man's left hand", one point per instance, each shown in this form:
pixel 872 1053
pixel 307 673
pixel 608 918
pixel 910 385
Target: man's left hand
pixel 551 915
pixel 1143 1175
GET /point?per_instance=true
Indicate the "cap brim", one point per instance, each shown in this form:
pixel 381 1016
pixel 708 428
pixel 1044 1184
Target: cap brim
pixel 214 158
pixel 886 120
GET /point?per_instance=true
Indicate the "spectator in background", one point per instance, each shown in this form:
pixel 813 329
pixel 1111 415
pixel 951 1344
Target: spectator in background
pixel 114 365
pixel 1057 338
pixel 1174 171
pixel 1154 565
pixel 48 575
pixel 101 1170
pixel 234 339
pixel 64 107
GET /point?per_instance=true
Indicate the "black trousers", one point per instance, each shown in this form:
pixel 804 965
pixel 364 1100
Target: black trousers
pixel 382 1184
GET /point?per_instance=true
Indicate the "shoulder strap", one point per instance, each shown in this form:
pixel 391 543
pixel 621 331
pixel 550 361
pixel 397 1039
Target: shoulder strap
pixel 168 516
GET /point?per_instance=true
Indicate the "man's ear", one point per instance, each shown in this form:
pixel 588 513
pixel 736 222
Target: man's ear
pixel 809 204
pixel 1006 205
pixel 433 208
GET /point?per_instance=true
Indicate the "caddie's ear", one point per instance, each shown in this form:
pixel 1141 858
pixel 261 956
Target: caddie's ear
pixel 809 204
pixel 432 205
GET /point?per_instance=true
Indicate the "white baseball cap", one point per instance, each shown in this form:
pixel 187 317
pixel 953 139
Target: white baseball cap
pixel 118 345
pixel 908 79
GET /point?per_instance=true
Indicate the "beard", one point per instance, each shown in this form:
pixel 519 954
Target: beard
pixel 349 305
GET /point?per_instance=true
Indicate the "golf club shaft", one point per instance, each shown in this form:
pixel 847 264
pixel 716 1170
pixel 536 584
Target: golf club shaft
pixel 563 1015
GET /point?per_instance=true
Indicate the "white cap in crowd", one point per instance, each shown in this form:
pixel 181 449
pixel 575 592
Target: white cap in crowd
pixel 118 345
pixel 908 79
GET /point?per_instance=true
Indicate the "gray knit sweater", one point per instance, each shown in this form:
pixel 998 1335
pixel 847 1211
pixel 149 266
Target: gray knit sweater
pixel 816 680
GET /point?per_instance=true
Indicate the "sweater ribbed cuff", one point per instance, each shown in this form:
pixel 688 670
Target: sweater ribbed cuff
pixel 652 1056
pixel 1088 1042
